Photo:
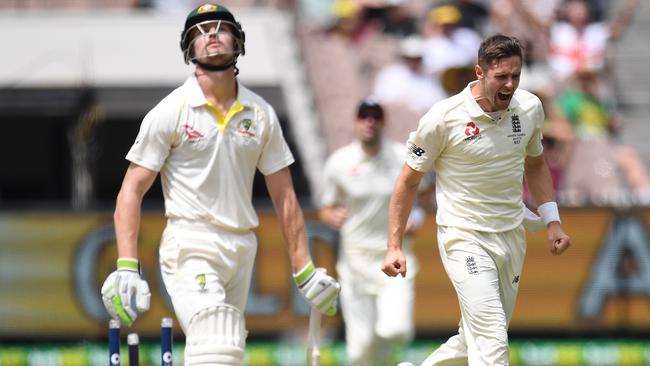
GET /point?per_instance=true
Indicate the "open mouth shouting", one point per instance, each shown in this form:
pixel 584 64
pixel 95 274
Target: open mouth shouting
pixel 504 97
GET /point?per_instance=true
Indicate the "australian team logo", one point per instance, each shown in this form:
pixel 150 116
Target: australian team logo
pixel 472 132
pixel 207 8
pixel 247 127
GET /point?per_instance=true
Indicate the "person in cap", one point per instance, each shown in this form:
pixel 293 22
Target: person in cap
pixel 207 138
pixel 405 83
pixel 357 185
pixel 481 143
pixel 448 45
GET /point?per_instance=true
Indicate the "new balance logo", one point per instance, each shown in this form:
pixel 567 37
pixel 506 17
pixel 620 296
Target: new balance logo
pixel 416 150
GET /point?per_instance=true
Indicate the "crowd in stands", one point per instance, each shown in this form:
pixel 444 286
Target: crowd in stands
pixel 410 54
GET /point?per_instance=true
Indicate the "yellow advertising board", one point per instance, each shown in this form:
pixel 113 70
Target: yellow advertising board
pixel 53 264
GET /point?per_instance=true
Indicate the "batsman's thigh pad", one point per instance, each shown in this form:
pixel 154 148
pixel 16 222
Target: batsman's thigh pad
pixel 216 336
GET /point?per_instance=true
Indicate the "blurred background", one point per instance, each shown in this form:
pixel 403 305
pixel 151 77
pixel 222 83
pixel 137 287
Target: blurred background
pixel 78 76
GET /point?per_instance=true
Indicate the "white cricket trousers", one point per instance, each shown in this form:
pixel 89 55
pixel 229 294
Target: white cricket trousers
pixel 485 270
pixel 204 266
pixel 377 309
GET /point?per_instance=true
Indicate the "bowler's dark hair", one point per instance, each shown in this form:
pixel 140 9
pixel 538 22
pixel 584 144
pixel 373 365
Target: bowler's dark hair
pixel 497 47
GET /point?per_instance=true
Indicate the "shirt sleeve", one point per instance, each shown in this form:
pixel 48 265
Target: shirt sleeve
pixel 155 138
pixel 275 153
pixel 329 189
pixel 535 147
pixel 426 143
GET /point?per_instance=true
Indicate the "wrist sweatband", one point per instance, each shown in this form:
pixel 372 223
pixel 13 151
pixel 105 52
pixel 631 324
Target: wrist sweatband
pixel 126 263
pixel 304 274
pixel 548 212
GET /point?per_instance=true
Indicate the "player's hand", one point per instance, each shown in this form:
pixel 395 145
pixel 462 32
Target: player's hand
pixel 124 293
pixel 394 263
pixel 336 217
pixel 558 241
pixel 532 222
pixel 320 289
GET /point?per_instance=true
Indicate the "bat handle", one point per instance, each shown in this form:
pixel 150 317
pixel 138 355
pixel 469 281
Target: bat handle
pixel 313 354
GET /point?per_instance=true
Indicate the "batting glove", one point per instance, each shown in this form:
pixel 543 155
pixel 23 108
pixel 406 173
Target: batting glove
pixel 124 293
pixel 320 289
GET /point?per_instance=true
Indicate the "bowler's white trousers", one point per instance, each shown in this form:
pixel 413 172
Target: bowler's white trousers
pixel 485 269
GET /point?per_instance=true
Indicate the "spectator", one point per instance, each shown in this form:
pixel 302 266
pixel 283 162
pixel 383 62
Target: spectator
pixel 594 124
pixel 352 23
pixel 404 82
pixel 575 40
pixel 535 72
pixel 447 45
pixel 395 18
pixel 558 144
pixel 526 20
pixel 474 14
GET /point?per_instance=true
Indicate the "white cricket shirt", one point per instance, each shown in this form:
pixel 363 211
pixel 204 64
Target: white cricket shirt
pixel 207 164
pixel 479 162
pixel 363 185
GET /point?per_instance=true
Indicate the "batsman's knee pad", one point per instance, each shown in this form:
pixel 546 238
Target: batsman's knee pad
pixel 216 336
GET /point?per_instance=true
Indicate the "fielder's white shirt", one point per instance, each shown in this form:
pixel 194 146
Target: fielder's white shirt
pixel 363 185
pixel 207 168
pixel 479 162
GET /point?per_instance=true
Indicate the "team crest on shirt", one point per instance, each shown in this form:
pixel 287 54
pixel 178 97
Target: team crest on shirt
pixel 247 127
pixel 516 134
pixel 472 132
pixel 191 134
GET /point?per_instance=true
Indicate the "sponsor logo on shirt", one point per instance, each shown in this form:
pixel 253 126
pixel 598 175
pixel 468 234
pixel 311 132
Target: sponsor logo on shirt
pixel 192 134
pixel 247 128
pixel 472 132
pixel 415 152
pixel 516 134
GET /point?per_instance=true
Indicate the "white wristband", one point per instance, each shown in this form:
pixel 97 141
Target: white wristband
pixel 548 212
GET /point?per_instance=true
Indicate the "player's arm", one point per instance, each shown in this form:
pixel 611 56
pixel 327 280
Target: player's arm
pixel 320 289
pixel 540 184
pixel 136 183
pixel 290 216
pixel 401 202
pixel 124 293
pixel 333 216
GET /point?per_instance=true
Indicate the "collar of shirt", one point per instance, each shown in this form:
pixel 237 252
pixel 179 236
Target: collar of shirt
pixel 365 157
pixel 196 98
pixel 475 110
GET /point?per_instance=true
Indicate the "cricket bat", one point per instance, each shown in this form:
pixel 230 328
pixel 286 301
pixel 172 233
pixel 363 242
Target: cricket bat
pixel 313 337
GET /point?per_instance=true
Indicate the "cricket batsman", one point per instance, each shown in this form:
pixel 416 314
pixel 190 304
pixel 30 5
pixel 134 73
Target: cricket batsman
pixel 206 139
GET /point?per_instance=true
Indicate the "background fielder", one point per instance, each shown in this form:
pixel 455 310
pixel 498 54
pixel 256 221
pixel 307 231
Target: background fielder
pixel 358 182
pixel 481 143
pixel 207 138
